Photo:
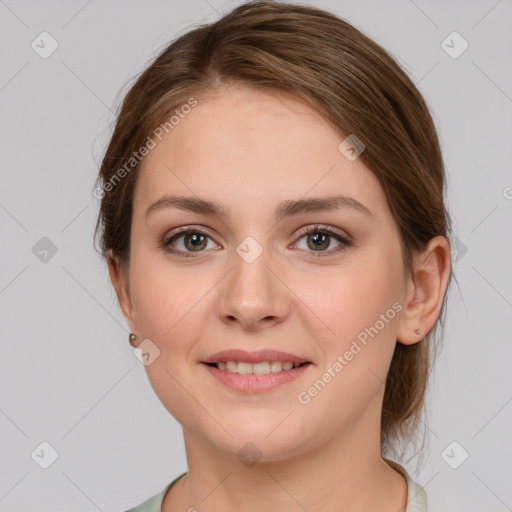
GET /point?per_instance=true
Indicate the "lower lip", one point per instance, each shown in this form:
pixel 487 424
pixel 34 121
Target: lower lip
pixel 253 383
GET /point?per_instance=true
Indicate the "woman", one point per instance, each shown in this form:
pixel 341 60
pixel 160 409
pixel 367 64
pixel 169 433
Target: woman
pixel 274 224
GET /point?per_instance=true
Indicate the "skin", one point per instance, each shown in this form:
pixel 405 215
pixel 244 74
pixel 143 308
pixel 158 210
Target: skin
pixel 248 151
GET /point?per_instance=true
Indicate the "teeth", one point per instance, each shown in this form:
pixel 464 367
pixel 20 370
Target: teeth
pixel 232 366
pixel 244 368
pixel 276 366
pixel 262 368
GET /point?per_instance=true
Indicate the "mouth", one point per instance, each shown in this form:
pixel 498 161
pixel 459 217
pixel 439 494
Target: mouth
pixel 259 368
pixel 260 362
pixel 254 378
pixel 255 372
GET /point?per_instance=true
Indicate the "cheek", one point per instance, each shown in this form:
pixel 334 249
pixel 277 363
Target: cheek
pixel 168 305
pixel 162 294
pixel 348 301
pixel 362 311
pixel 359 312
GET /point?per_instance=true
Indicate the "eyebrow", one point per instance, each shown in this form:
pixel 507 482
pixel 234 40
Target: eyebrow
pixel 284 209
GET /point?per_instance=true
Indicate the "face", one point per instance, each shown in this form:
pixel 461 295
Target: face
pixel 323 284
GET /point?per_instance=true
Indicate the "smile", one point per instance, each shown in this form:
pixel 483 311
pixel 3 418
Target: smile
pixel 255 377
pixel 262 368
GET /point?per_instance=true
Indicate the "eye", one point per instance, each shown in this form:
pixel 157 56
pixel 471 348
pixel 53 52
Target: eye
pixel 319 238
pixel 193 240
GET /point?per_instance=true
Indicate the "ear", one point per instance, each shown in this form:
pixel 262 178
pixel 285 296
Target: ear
pixel 425 291
pixel 120 280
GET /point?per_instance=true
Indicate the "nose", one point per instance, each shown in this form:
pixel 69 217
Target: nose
pixel 252 295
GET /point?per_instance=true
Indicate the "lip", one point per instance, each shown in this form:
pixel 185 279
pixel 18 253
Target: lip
pixel 253 383
pixel 257 356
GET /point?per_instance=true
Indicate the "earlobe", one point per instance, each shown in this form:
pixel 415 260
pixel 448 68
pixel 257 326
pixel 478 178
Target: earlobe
pixel 119 277
pixel 426 290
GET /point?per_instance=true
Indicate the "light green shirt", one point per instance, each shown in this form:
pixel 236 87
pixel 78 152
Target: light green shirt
pixel 416 497
pixel 154 504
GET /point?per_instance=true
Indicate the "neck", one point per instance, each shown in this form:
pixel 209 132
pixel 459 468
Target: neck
pixel 345 473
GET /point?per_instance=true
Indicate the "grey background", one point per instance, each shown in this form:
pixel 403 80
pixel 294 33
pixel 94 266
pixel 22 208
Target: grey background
pixel 67 373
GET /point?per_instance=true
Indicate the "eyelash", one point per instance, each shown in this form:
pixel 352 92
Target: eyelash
pixel 317 228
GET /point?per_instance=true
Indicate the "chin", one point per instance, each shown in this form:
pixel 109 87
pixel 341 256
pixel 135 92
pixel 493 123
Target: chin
pixel 251 444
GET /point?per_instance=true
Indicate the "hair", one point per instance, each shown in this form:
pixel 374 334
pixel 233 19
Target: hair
pixel 356 86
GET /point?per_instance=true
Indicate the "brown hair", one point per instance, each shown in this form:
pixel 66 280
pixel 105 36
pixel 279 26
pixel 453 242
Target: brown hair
pixel 357 87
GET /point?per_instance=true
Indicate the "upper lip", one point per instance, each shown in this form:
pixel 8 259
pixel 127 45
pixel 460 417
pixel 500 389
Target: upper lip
pixel 257 356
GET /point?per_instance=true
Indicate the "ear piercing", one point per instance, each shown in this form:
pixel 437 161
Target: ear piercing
pixel 418 331
pixel 132 339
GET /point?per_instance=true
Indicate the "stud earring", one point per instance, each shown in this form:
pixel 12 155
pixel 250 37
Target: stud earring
pixel 418 331
pixel 132 339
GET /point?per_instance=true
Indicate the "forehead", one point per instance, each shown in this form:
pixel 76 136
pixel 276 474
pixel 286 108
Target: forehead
pixel 249 148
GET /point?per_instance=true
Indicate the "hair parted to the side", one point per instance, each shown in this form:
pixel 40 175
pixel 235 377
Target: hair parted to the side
pixel 348 79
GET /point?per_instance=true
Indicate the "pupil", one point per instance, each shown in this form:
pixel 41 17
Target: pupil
pixel 196 240
pixel 320 238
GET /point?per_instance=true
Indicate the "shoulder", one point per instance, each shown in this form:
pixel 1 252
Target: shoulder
pixel 418 499
pixel 416 496
pixel 154 504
